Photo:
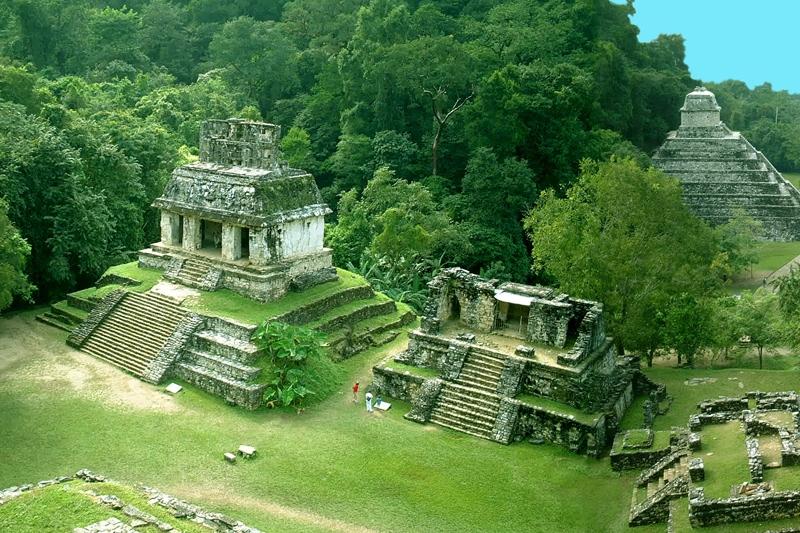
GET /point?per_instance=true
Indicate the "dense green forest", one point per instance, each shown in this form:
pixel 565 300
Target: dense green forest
pixel 431 126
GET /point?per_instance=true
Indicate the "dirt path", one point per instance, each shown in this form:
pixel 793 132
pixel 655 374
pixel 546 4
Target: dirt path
pixel 215 495
pixel 33 352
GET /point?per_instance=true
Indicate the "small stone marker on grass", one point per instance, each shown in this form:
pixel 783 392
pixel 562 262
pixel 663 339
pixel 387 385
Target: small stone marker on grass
pixel 248 452
pixel 230 457
pixel 173 388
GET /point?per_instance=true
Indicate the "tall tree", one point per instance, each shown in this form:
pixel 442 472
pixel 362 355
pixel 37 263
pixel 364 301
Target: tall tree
pixel 623 236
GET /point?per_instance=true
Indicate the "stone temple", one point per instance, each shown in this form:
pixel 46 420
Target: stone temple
pixel 722 173
pixel 512 362
pixel 239 218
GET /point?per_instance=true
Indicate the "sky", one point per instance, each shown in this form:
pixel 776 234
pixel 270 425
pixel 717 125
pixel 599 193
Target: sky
pixel 755 41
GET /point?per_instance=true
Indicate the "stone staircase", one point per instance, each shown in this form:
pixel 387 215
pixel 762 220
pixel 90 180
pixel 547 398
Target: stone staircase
pixel 470 403
pixel 466 409
pixel 196 272
pixel 481 372
pixel 61 316
pixel 219 359
pixel 135 331
pixel 656 487
pixel 722 173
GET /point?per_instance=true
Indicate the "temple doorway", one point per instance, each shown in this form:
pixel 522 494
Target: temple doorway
pixel 210 235
pixel 245 243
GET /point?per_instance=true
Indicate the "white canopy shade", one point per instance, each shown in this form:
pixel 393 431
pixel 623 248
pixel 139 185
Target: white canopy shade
pixel 516 299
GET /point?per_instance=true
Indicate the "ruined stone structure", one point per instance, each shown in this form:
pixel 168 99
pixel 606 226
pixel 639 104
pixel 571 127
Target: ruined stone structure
pixel 514 362
pixel 766 424
pixel 239 218
pixel 721 172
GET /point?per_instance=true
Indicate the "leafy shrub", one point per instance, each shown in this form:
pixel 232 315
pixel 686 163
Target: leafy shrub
pixel 298 365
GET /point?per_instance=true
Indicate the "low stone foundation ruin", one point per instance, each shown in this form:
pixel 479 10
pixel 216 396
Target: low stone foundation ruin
pixel 760 415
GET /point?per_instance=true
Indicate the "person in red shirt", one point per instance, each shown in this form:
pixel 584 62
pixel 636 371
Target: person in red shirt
pixel 355 392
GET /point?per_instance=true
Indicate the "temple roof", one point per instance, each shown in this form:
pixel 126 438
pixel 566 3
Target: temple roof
pixel 701 99
pixel 241 180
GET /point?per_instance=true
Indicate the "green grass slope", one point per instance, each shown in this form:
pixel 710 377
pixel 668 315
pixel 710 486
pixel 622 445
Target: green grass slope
pixel 333 466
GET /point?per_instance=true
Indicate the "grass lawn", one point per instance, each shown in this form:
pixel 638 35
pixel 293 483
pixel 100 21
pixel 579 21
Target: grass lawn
pixel 725 457
pixel 333 467
pixel 771 257
pixel 793 177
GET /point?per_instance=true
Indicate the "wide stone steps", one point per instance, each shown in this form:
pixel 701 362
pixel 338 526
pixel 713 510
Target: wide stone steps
pixel 118 353
pixel 477 383
pixel 467 413
pixel 466 420
pixel 481 372
pixel 738 200
pixel 485 361
pixel 744 188
pixel 466 409
pixel 756 211
pixel 222 365
pixel 722 177
pixel 465 404
pixel 224 345
pixel 134 332
pixel 699 165
pixel 476 431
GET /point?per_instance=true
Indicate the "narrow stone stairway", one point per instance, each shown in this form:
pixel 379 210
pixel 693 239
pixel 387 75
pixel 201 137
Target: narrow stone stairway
pixel 134 332
pixel 650 501
pixel 193 272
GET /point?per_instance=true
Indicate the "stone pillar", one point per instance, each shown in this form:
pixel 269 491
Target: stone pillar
pixel 191 234
pixel 169 228
pixel 231 242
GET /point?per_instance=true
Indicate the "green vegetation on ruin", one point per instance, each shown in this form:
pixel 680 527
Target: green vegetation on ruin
pixel 413 370
pixel 660 441
pixel 558 407
pixel 228 304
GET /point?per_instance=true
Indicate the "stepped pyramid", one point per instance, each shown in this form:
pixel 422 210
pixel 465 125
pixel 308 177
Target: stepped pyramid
pixel 721 172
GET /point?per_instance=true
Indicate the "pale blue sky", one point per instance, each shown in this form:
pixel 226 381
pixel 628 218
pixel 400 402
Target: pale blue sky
pixel 749 40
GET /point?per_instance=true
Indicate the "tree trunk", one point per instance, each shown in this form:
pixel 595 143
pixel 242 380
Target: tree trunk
pixel 435 149
pixel 760 357
pixel 679 359
pixel 650 354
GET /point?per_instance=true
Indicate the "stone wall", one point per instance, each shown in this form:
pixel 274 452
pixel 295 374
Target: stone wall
pixel 173 348
pixel 240 142
pixel 312 311
pixel 770 506
pixel 722 404
pixel 540 425
pixel 511 376
pixel 424 400
pixel 506 420
pixel 234 392
pixel 395 383
pixel 96 316
pixel 548 321
pixel 458 294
